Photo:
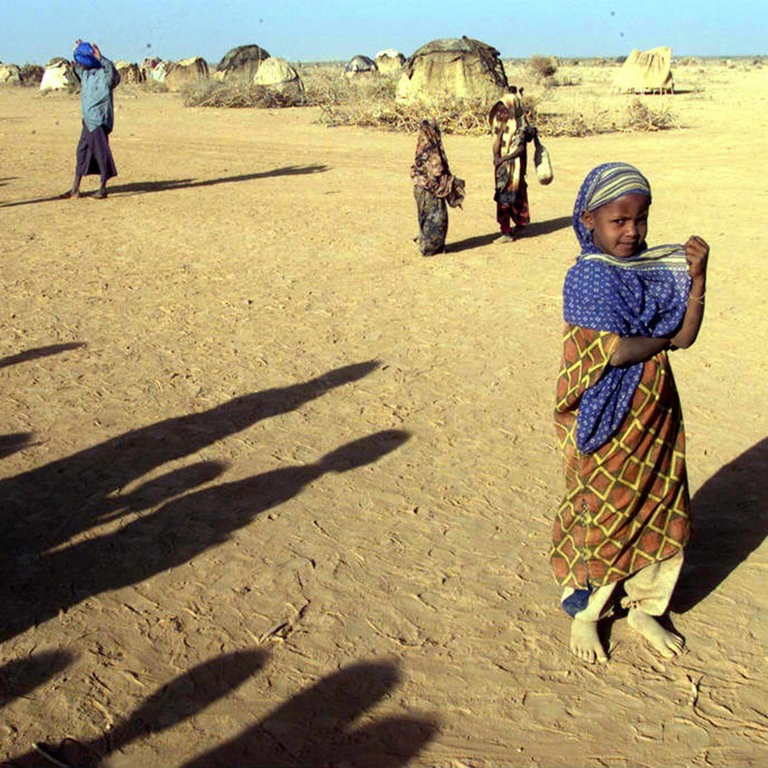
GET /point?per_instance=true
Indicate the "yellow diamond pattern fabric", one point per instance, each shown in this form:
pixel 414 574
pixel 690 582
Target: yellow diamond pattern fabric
pixel 626 505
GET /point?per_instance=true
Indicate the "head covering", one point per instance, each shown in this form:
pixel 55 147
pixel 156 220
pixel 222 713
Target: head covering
pixel 85 57
pixel 513 104
pixel 603 185
pixel 644 295
pixel 430 166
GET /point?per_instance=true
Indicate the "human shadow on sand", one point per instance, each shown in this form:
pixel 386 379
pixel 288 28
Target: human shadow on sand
pixel 730 521
pixel 536 229
pixel 317 727
pixel 173 534
pixel 38 352
pixel 21 676
pixel 143 187
pixel 10 444
pixel 163 186
pixel 184 697
pixel 45 507
pixel 314 728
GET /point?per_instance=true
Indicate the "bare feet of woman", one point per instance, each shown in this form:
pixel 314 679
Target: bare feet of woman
pixel 667 643
pixel 69 194
pixel 585 642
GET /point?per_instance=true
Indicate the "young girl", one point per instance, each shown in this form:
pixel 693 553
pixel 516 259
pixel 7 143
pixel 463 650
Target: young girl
pixel 511 132
pixel 625 515
pixel 433 186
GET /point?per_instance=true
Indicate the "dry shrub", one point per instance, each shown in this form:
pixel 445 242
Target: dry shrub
pixel 153 86
pixel 31 74
pixel 329 86
pixel 543 68
pixel 465 117
pixel 641 117
pixel 369 101
pixel 217 93
pixel 591 120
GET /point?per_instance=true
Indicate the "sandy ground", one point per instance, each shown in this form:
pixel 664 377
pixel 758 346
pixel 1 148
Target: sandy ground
pixel 277 491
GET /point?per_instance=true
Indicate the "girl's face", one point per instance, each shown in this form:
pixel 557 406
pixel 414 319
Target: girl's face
pixel 619 228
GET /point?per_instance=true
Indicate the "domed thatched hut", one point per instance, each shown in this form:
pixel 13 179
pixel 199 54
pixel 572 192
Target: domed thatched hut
pixel 241 63
pixel 185 72
pixel 360 65
pixel 59 76
pixel 129 72
pixel 389 61
pixel 452 68
pixel 10 74
pixel 278 75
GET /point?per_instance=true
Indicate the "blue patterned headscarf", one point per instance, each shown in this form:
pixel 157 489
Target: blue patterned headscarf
pixel 644 295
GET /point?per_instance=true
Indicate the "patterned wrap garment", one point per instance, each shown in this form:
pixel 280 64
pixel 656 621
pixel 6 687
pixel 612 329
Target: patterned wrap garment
pixel 434 186
pixel 620 428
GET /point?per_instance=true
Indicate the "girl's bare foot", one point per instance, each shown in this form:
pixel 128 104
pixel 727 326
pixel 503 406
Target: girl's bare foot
pixel 70 193
pixel 667 643
pixel 585 642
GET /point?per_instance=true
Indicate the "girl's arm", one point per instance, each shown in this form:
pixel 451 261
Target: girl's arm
pixel 638 349
pixel 497 149
pixel 696 253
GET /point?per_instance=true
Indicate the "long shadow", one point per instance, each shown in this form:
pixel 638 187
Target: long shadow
pixel 143 187
pixel 17 441
pixel 38 352
pixel 182 698
pixel 179 530
pixel 46 506
pixel 730 521
pixel 71 491
pixel 19 677
pixel 539 228
pixel 478 241
pixel 316 728
pixel 536 229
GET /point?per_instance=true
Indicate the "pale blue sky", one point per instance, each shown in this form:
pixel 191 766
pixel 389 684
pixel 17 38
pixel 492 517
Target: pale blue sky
pixel 321 30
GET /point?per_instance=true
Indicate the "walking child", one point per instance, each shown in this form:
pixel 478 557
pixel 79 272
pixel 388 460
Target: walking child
pixel 625 517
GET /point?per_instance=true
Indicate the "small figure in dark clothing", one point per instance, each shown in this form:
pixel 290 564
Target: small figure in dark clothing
pixel 98 78
pixel 433 187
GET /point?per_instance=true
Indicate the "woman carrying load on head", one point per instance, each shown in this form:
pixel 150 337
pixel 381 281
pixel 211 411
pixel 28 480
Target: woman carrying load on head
pixel 511 133
pixel 98 78
pixel 433 187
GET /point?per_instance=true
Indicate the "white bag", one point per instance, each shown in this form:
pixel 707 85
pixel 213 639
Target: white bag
pixel 542 162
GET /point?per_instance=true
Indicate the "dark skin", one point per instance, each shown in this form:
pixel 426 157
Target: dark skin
pixel 619 229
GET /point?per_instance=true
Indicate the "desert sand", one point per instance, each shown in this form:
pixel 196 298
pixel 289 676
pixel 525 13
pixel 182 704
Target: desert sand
pixel 277 490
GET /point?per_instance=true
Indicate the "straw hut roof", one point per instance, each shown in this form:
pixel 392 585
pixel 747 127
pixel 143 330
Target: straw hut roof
pixel 278 75
pixel 185 72
pixel 452 68
pixel 242 62
pixel 360 64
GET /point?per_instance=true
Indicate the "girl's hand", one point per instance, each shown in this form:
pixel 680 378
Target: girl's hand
pixel 96 51
pixel 696 254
